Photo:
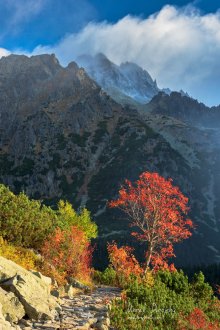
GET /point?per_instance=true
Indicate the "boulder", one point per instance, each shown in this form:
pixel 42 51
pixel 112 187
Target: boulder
pixel 45 279
pixel 31 290
pixel 5 325
pixel 12 309
pixel 70 291
pixel 76 284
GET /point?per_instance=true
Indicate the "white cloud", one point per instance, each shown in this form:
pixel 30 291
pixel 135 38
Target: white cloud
pixel 180 47
pixel 4 52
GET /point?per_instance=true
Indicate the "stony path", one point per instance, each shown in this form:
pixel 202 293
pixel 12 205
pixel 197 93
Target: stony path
pixel 82 312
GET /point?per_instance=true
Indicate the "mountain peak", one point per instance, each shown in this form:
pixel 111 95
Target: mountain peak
pixel 42 58
pixel 127 79
pixel 17 64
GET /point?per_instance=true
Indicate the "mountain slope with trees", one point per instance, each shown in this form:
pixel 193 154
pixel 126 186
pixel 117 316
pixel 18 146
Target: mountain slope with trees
pixel 63 137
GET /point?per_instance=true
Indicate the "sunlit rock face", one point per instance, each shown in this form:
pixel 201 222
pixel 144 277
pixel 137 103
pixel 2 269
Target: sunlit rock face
pixel 63 136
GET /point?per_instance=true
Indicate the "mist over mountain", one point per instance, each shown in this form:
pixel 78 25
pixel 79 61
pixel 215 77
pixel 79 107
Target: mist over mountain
pixel 63 136
pixel 127 83
pixel 123 82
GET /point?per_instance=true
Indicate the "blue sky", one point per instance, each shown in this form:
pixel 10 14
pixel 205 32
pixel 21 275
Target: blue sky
pixel 179 44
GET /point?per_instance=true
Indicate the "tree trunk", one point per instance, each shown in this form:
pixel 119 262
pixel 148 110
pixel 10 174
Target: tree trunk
pixel 149 255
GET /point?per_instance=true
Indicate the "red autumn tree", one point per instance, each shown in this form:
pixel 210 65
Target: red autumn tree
pixel 159 211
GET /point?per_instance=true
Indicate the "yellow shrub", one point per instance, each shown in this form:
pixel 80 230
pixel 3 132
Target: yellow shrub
pixel 29 260
pixel 149 278
pixel 23 257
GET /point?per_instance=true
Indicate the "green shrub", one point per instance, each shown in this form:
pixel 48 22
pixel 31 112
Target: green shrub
pixel 165 304
pixel 28 223
pixel 62 236
pixel 25 222
pixel 107 277
pixel 68 217
pixel 175 281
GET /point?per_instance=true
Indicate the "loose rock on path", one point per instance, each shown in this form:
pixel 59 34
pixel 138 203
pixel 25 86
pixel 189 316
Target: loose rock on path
pixel 82 312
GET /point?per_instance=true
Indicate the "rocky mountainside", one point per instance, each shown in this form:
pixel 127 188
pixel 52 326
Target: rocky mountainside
pixel 61 136
pixel 186 109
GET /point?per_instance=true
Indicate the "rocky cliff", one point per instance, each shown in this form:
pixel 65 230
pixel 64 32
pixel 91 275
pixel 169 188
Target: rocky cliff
pixel 61 136
pixel 185 109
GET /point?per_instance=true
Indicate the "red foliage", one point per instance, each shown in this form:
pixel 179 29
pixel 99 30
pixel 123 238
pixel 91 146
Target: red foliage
pixel 197 320
pixel 159 210
pixel 69 252
pixel 218 289
pixel 159 260
pixel 123 261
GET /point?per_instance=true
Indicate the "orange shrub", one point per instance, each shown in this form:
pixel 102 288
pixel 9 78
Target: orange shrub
pixel 69 253
pixel 123 261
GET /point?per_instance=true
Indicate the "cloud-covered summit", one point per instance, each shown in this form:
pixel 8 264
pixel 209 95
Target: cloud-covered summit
pixel 178 46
